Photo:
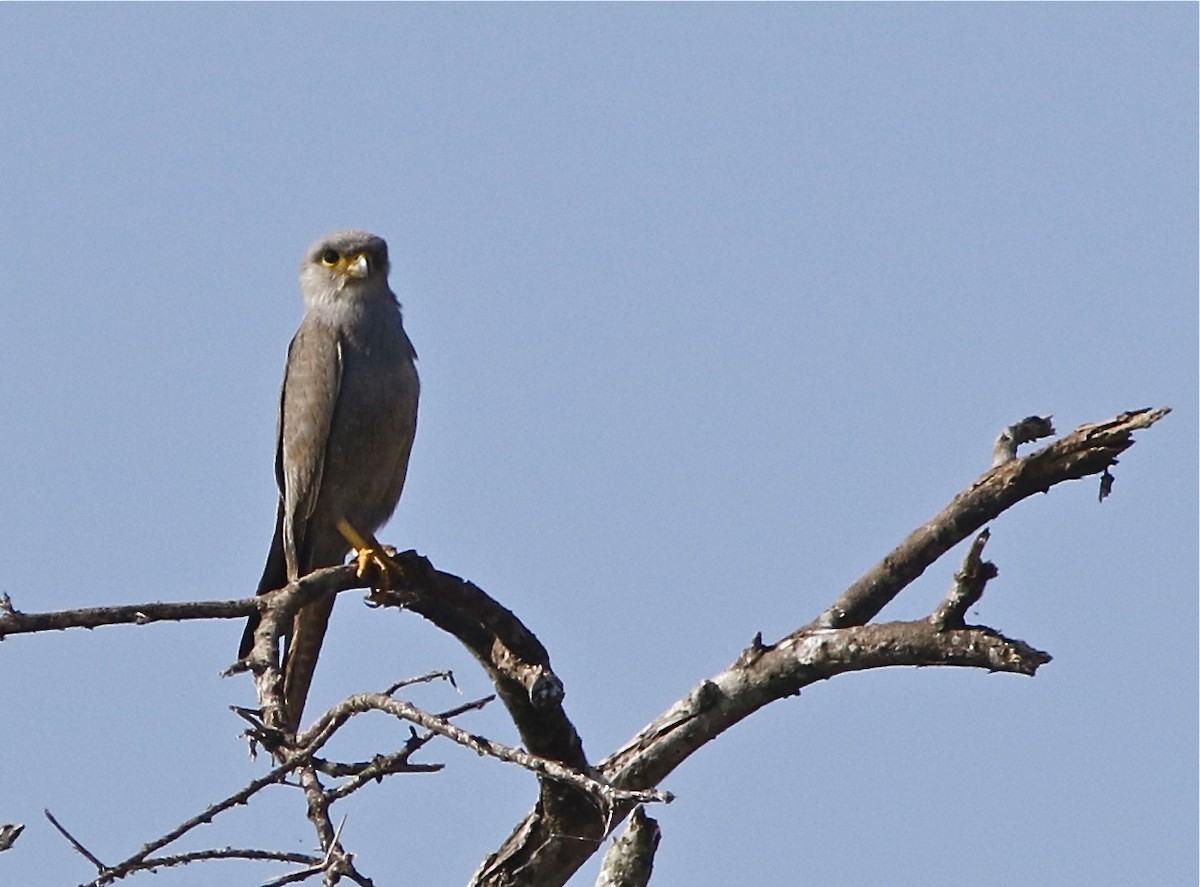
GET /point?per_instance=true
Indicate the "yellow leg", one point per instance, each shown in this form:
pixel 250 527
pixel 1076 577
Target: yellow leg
pixel 370 553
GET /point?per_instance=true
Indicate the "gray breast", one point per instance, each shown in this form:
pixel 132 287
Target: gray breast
pixel 373 426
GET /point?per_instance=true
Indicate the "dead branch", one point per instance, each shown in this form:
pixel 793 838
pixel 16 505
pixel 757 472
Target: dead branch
pixel 142 860
pixel 514 659
pixel 509 652
pixel 1029 429
pixel 968 586
pixel 397 762
pixel 153 863
pixel 579 805
pixel 13 621
pixel 545 852
pixel 630 860
pixel 547 847
pixel 1089 449
pixel 600 790
pixel 277 610
pixel 299 758
pixel 78 847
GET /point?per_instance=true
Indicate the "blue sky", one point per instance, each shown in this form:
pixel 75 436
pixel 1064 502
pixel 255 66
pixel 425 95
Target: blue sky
pixel 714 304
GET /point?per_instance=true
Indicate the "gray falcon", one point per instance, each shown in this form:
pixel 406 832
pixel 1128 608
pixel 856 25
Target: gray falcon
pixel 347 417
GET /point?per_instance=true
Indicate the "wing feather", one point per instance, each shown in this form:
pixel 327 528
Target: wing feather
pixel 310 392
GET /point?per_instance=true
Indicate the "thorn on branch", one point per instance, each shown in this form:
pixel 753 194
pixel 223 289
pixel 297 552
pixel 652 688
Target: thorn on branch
pixel 1029 429
pixel 754 651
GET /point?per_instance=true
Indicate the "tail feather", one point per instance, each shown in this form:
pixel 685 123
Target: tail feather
pixel 300 658
pixel 274 576
pixel 301 641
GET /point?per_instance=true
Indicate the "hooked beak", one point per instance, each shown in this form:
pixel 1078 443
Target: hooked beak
pixel 358 267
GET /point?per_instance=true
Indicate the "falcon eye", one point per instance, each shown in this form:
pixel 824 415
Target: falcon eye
pixel 329 258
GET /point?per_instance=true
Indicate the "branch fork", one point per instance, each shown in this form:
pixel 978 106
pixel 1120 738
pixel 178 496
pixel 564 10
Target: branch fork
pixel 579 803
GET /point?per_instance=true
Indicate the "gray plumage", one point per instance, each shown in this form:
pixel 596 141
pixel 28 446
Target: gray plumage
pixel 347 417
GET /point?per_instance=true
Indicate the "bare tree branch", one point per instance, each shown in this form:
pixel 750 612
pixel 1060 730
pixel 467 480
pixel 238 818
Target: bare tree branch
pixel 141 860
pixel 153 863
pixel 277 610
pixel 630 860
pixel 546 848
pixel 79 848
pixel 1029 429
pixel 763 674
pixel 1089 449
pixel 509 652
pixel 513 658
pixel 13 621
pixel 329 722
pixel 336 862
pixel 578 804
pixel 546 852
pixel 969 583
pixel 397 762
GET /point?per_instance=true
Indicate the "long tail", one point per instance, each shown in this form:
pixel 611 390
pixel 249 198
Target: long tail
pixel 300 657
pixel 302 641
pixel 274 576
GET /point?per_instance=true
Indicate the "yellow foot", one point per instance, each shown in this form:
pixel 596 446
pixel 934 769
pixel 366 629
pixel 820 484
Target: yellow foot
pixel 369 553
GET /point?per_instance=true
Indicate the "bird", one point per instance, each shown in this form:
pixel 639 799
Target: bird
pixel 347 419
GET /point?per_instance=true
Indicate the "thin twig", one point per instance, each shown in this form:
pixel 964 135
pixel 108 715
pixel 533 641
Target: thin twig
pixel 442 674
pixel 13 621
pixel 364 702
pixel 137 861
pixel 397 762
pixel 177 859
pixel 79 848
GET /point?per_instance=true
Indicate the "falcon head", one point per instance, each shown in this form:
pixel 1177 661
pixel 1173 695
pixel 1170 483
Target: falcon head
pixel 345 263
